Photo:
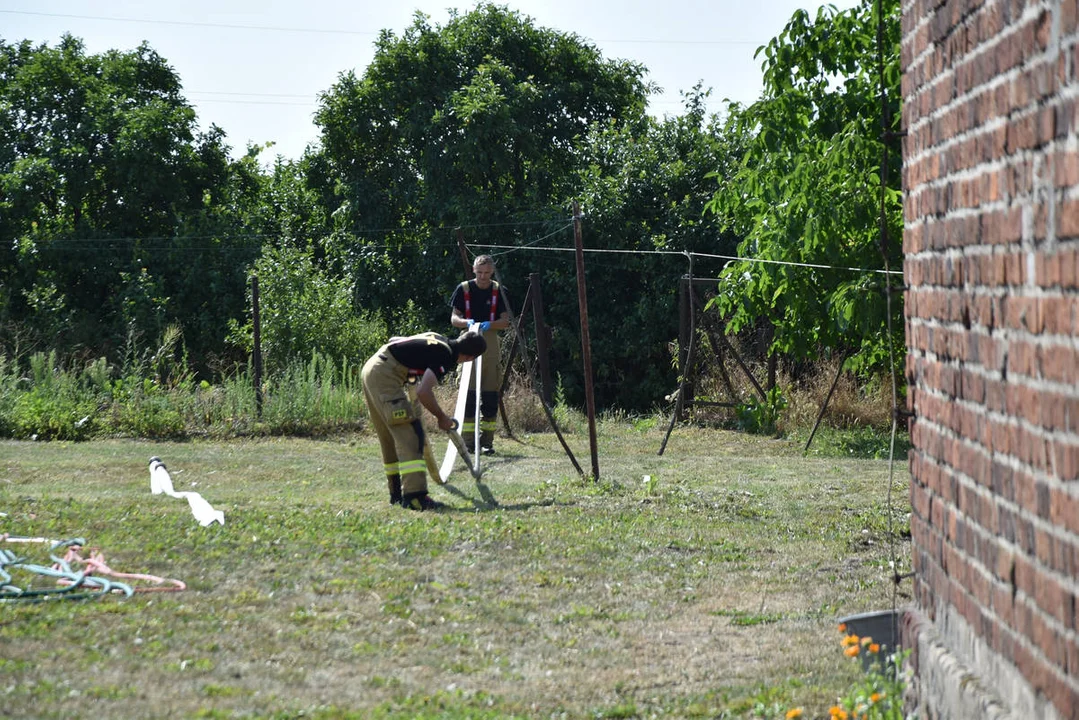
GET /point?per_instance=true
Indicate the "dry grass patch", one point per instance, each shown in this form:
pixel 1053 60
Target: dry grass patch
pixel 709 588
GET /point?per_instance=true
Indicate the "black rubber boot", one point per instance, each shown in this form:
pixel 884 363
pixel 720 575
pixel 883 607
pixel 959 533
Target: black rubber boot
pixel 420 501
pixel 394 483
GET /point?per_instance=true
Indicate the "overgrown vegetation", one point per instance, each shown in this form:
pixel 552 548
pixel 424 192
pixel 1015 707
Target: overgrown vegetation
pixel 57 402
pixel 158 397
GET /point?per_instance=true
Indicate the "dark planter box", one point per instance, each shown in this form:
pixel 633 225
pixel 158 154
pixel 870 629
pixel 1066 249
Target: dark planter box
pixel 883 627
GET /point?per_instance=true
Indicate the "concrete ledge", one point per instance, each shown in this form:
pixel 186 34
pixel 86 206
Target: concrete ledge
pixel 943 687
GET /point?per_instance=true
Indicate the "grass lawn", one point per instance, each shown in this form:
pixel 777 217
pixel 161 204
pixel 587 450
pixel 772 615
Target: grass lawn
pixel 706 582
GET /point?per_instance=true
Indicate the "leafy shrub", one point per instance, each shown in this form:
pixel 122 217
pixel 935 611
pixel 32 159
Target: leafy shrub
pixel 138 407
pixel 410 320
pixel 57 406
pixel 761 416
pixel 303 310
pixel 41 415
pixel 150 416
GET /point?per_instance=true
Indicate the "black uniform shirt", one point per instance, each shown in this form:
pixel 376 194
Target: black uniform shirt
pixel 426 351
pixel 479 300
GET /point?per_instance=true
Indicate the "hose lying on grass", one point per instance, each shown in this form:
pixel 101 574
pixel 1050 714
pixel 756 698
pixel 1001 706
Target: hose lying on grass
pixel 91 581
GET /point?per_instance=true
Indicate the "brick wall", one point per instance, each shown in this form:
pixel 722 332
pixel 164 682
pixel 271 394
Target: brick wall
pixel 991 237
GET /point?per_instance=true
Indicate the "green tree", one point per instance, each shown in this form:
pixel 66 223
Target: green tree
pixel 471 123
pixel 304 310
pixel 290 210
pixel 642 187
pixel 808 189
pixel 122 217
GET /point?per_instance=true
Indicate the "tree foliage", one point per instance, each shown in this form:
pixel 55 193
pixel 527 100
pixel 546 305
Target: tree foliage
pixel 110 197
pixel 808 189
pixel 477 118
pixel 119 218
pixel 642 187
pixel 304 310
pixel 473 123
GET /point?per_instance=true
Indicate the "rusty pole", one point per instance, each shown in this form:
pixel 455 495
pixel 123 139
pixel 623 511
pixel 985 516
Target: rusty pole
pixel 586 342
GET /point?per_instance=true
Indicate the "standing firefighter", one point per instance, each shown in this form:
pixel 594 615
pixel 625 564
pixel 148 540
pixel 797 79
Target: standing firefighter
pixel 422 359
pixel 483 302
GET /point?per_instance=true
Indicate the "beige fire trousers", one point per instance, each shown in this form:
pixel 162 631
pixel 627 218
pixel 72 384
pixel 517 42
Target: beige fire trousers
pixel 396 420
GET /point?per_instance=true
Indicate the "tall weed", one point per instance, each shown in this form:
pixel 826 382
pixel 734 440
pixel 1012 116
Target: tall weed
pixel 51 402
pixel 232 408
pixel 143 408
pixel 153 394
pixel 9 390
pixel 313 397
pixel 57 405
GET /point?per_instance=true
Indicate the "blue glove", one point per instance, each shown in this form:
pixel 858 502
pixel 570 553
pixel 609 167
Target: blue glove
pixel 471 322
pixel 485 326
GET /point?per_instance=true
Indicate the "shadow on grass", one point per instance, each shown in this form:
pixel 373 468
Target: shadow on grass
pixel 487 501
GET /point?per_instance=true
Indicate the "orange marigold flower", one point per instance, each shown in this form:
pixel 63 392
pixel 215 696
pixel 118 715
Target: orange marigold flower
pixel 794 713
pixel 837 713
pixel 852 651
pixel 877 697
pixel 866 641
pixel 851 640
pixel 874 648
pixel 843 628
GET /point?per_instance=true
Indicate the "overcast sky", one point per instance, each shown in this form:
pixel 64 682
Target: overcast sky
pixel 255 68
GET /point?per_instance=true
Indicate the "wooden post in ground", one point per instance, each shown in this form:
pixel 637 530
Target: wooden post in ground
pixel 256 350
pixel 586 342
pixel 687 367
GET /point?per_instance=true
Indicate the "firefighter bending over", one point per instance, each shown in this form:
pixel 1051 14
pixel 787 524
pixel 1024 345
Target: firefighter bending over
pixel 422 359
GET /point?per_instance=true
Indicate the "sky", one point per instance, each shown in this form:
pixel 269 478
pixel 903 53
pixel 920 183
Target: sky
pixel 255 68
